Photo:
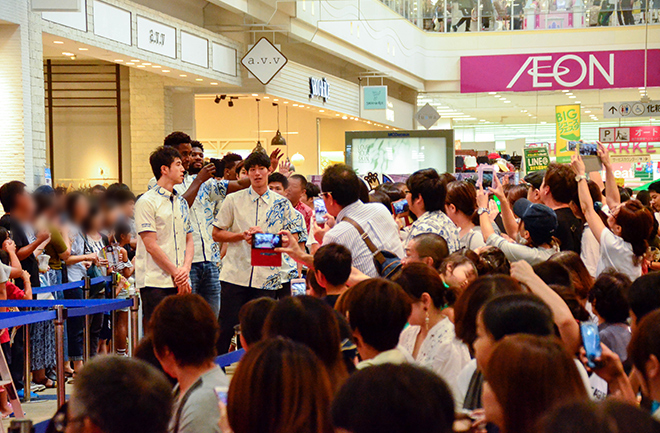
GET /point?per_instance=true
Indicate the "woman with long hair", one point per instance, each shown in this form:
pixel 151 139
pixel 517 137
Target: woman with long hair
pixel 278 388
pixel 623 241
pixel 527 376
pixel 580 276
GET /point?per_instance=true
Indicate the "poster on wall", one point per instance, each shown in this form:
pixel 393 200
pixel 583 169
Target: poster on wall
pixel 568 129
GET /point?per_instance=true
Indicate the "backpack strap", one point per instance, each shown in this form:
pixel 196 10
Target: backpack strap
pixel 375 252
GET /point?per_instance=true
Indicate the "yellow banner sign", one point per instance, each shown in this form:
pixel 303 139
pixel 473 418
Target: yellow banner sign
pixel 568 129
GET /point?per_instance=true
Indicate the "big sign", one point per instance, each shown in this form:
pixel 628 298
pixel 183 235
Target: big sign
pixel 558 71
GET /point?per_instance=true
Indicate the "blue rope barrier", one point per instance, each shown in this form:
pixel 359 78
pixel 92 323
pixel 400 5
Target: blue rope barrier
pixel 229 358
pixel 10 320
pixel 70 285
pixel 115 304
pixel 49 303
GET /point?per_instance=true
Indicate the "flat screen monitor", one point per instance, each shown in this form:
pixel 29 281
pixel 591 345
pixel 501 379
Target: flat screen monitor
pixel 400 152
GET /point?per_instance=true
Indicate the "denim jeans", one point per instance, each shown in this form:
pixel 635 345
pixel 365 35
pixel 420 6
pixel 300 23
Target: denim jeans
pixel 205 281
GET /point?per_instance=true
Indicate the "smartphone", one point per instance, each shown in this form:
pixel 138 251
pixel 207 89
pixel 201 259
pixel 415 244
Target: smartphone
pixel 485 173
pixel 266 241
pixel 221 392
pixel 298 287
pixel 319 210
pixel 585 149
pixel 591 342
pixel 400 206
pixel 263 250
pixel 219 169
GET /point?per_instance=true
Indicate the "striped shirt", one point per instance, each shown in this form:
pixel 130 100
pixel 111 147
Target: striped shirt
pixel 377 222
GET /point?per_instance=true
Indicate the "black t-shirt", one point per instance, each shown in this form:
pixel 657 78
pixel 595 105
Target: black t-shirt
pixel 130 251
pixel 30 263
pixel 331 300
pixel 569 230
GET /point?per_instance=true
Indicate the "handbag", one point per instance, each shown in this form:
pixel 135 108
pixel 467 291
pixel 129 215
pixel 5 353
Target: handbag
pixel 387 263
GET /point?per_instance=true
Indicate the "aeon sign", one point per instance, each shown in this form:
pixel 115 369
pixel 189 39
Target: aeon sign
pixel 556 71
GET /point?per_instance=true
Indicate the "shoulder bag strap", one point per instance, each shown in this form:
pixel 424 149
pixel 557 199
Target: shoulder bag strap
pixel 182 403
pixel 380 258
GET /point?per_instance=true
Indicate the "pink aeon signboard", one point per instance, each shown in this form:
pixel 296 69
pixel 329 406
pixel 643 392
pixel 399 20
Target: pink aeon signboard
pixel 559 71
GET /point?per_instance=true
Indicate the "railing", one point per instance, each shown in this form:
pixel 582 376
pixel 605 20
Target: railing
pixel 503 15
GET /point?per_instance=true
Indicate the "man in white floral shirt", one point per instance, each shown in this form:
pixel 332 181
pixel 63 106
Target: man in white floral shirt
pixel 426 199
pixel 242 214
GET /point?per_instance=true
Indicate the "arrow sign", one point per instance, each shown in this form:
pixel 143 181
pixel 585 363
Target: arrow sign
pixel 612 110
pixel 264 61
pixel 630 109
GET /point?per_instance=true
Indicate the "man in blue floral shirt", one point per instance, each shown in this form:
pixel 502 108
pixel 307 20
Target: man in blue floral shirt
pixel 242 214
pixel 426 199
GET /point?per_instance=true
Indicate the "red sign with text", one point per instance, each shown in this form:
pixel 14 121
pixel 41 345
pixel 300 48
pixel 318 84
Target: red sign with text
pixel 629 134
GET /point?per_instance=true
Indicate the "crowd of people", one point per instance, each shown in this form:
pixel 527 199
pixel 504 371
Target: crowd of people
pixel 466 311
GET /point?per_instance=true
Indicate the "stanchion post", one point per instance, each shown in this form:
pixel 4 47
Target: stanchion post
pixel 134 322
pixel 86 339
pixel 27 375
pixel 59 350
pixel 113 317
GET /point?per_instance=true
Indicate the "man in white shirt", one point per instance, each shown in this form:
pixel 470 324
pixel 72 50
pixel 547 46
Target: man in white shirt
pixel 341 190
pixel 426 199
pixel 244 213
pixel 165 246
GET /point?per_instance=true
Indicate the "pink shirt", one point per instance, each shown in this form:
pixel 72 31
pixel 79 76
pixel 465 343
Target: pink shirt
pixel 306 212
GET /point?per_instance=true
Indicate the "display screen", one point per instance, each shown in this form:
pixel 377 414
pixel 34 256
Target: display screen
pixel 398 153
pixel 266 241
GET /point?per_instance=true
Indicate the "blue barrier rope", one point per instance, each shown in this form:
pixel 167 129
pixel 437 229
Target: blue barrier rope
pixel 76 308
pixel 229 358
pixel 49 303
pixel 10 320
pixel 70 285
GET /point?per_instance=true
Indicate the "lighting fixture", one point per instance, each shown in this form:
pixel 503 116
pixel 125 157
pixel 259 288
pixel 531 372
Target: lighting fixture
pixel 587 111
pixel 165 70
pixel 136 61
pixel 286 102
pixel 67 54
pixel 344 117
pixel 214 84
pixel 129 63
pixel 278 140
pixel 297 158
pixel 156 66
pixel 254 94
pixel 83 49
pixel 321 111
pixel 146 64
pixel 569 94
pixel 275 99
pixel 141 66
pixel 58 42
pixel 198 79
pixel 266 97
pixel 543 123
pixel 578 102
pixel 119 60
pixel 295 105
pixel 183 75
pixel 337 115
pixel 565 91
pixel 230 103
pixel 259 147
pixel 492 93
pixel 497 96
pixel 217 99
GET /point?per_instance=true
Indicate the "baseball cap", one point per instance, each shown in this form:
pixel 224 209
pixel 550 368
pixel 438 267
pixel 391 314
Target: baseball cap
pixel 535 178
pixel 540 221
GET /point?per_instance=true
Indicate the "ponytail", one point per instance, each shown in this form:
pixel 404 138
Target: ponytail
pixel 636 223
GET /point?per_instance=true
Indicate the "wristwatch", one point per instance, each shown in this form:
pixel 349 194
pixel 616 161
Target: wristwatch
pixel 580 177
pixel 482 210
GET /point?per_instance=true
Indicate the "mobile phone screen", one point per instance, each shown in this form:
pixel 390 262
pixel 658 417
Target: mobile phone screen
pixel 298 287
pixel 572 145
pixel 591 342
pixel 221 392
pixel 266 241
pixel 589 149
pixel 400 206
pixel 320 210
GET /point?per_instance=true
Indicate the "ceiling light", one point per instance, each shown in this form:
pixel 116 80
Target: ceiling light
pixel 337 115
pixel 214 84
pixel 587 111
pixel 266 97
pixel 543 123
pixel 255 94
pixel 230 103
pixel 640 88
pixel 321 111
pixel 578 102
pixel 295 105
pixel 73 57
pixel 497 96
pixel 58 42
pixel 165 70
pixel 492 93
pixel 652 120
pixel 67 54
pixel 482 120
pixel 275 99
pixel 198 79
pixel 344 117
pixel 146 64
pixel 183 75
pixel 217 99
pixel 565 91
pixel 156 66
pixel 286 102
pixel 141 66
pixel 119 60
pixel 136 61
pixel 569 94
pixel 83 49
pixel 130 63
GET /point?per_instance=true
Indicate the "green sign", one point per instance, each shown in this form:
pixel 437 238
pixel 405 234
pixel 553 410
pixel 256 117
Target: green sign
pixel 536 158
pixel 375 97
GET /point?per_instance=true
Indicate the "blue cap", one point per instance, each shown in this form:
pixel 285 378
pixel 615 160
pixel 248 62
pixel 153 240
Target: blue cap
pixel 540 221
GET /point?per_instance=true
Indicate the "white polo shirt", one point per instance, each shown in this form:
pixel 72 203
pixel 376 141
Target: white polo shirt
pixel 202 215
pixel 242 210
pixel 167 215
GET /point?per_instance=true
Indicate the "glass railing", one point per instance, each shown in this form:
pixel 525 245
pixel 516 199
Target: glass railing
pixel 501 15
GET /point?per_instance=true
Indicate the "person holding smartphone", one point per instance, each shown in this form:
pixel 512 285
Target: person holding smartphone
pixel 253 210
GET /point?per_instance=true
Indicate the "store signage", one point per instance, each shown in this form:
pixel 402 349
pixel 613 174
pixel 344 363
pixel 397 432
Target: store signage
pixel 427 116
pixel 568 129
pixel 224 59
pixel 618 110
pixel 319 88
pixel 55 5
pixel 536 158
pixel 76 19
pixel 630 134
pixel 636 159
pixel 112 22
pixel 156 37
pixel 264 61
pixel 556 71
pixel 194 50
pixel 375 97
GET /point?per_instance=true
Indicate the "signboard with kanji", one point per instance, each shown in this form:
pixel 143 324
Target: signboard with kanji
pixel 536 158
pixel 626 134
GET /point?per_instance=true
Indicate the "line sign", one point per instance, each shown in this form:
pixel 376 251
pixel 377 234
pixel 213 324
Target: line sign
pixel 630 109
